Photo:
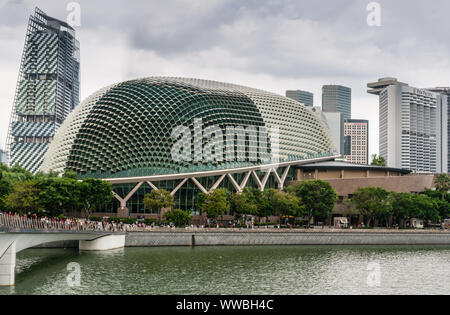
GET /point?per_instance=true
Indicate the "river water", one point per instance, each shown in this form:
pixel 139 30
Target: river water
pixel 236 270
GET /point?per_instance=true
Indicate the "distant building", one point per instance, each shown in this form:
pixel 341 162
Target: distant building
pixel 335 123
pixel 303 97
pixel 413 126
pixel 3 156
pixel 356 141
pixel 445 91
pixel 337 98
pixel 48 89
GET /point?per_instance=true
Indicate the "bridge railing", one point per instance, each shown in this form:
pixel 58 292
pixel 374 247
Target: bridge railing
pixel 26 223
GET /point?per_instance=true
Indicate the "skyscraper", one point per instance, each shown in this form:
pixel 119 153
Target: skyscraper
pixel 413 126
pixel 337 98
pixel 48 89
pixel 445 91
pixel 356 141
pixel 303 97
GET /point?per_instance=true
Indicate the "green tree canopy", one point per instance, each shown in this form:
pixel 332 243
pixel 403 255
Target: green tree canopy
pixel 216 203
pixel 95 194
pixel 318 197
pixel 157 200
pixel 442 184
pixel 244 203
pixel 284 204
pixel 378 161
pixel 178 217
pixel 372 203
pixel 24 197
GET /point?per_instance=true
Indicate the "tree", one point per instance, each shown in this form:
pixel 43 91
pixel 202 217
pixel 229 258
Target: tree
pixel 372 202
pixel 284 204
pixel 427 208
pixel 157 200
pixel 95 194
pixel 442 184
pixel 244 203
pixel 443 208
pixel 60 195
pixel 263 205
pixel 5 189
pixel 216 203
pixel 378 161
pixel 402 207
pixel 318 197
pixel 24 197
pixel 178 217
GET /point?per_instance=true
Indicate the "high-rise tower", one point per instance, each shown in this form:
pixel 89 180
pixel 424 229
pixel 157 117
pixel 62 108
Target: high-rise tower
pixel 413 126
pixel 337 98
pixel 48 89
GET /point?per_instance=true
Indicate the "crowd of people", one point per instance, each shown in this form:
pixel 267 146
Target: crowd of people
pixel 33 222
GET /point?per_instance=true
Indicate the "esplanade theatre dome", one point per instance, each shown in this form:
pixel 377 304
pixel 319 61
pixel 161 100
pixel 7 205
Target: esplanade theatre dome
pixel 127 129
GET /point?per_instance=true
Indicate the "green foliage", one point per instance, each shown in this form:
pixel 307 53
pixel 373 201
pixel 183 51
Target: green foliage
pixel 94 194
pixel 178 217
pixel 372 203
pixel 285 204
pixel 157 200
pixel 60 195
pixel 24 197
pixel 442 184
pixel 244 203
pixel 318 198
pixel 216 203
pixel 378 161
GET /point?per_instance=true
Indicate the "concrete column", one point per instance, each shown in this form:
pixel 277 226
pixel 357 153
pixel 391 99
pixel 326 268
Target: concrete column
pixel 103 243
pixel 8 266
pixel 123 212
pixel 299 175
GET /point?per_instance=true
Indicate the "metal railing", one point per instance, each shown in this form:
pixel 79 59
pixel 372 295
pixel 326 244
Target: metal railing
pixel 47 224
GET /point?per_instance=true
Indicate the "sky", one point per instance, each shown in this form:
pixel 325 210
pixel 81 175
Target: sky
pixel 274 45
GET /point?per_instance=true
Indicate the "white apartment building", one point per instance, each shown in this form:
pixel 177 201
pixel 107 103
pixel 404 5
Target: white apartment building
pixel 413 127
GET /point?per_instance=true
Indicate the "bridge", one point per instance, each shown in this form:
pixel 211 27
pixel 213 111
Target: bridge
pixel 19 233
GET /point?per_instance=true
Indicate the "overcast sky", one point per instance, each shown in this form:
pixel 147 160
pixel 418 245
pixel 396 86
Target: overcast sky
pixel 268 44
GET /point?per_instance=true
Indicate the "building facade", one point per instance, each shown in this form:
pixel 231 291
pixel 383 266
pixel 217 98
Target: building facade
pixel 3 156
pixel 346 178
pixel 335 123
pixel 187 136
pixel 445 93
pixel 303 97
pixel 48 89
pixel 337 98
pixel 413 128
pixel 356 141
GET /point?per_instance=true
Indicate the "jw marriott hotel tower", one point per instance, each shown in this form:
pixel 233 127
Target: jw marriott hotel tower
pixel 48 89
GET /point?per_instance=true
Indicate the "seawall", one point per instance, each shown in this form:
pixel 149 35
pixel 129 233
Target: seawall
pixel 276 237
pixel 154 239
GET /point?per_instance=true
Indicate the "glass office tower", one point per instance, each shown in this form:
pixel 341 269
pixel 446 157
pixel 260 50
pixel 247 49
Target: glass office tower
pixel 48 89
pixel 337 98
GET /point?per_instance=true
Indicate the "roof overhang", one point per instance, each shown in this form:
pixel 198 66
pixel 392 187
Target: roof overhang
pixel 159 178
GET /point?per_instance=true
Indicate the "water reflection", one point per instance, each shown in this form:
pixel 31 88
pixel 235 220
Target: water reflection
pixel 236 270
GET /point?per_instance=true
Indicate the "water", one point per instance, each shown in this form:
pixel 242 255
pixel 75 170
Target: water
pixel 238 270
